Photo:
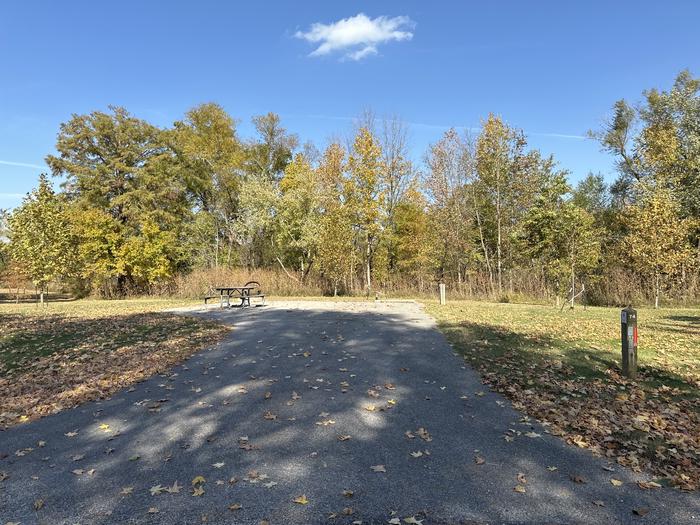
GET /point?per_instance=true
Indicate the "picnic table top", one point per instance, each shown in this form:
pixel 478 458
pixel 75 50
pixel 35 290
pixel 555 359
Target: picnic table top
pixel 226 288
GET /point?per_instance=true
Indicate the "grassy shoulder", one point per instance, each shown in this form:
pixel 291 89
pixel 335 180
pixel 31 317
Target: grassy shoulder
pixel 564 369
pixel 59 356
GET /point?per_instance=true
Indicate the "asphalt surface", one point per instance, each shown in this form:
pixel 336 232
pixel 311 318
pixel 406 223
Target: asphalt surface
pixel 309 367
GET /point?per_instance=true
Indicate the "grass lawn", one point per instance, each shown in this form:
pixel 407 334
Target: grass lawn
pixel 58 356
pixel 563 368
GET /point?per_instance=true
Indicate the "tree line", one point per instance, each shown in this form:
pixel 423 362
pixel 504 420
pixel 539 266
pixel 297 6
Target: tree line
pixel 485 213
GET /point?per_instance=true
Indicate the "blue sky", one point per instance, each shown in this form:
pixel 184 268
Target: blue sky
pixel 551 68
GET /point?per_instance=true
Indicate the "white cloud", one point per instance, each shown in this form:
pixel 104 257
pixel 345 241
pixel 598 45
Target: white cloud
pixel 357 36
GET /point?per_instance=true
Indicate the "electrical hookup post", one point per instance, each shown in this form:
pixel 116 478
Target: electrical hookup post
pixel 628 324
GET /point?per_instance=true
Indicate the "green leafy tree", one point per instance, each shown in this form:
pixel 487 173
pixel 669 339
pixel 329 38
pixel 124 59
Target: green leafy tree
pixel 100 156
pixel 41 238
pixel 562 237
pixel 120 167
pixel 412 238
pixel 210 159
pixel 507 181
pixel 453 213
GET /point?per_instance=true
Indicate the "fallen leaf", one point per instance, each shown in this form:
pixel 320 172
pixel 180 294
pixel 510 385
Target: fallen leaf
pixel 648 485
pixel 157 489
pixel 198 490
pixel 344 437
pixel 411 520
pixel 479 460
pixel 198 479
pixel 38 504
pixel 616 482
pixel 235 506
pixel 348 493
pixel 378 468
pixel 519 488
pixel 642 511
pixel 126 491
pixel 218 465
pixel 599 503
pixel 424 434
pixel 301 500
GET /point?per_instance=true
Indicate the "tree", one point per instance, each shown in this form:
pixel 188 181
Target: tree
pixel 100 156
pixel 99 239
pixel 298 213
pixel 335 238
pixel 268 157
pixel 412 237
pixel 210 158
pixel 448 185
pixel 366 196
pixel 561 237
pixel 265 161
pixel 591 194
pixel 658 141
pixel 506 184
pixel 40 236
pixel 658 236
pixel 4 245
pixel 121 170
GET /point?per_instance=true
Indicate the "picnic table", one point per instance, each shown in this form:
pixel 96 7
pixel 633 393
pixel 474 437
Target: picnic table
pixel 242 293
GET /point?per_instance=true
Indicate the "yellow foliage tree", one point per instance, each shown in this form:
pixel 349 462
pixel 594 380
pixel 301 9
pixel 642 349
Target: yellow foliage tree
pixel 658 238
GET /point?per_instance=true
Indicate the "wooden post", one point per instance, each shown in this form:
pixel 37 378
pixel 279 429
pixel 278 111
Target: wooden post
pixel 628 332
pixel 442 293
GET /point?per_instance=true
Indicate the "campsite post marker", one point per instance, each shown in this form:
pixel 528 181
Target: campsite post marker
pixel 628 325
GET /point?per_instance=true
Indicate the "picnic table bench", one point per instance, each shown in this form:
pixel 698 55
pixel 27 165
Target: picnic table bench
pixel 244 293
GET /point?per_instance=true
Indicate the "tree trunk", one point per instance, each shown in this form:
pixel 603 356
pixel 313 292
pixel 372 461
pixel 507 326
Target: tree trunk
pixel 658 290
pixel 368 269
pixel 573 287
pixel 483 243
pixel 498 241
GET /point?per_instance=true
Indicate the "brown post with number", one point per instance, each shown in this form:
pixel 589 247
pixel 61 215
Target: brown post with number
pixel 628 324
